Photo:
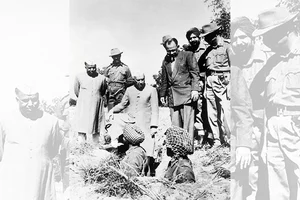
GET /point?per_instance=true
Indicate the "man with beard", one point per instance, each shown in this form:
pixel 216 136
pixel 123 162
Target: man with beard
pixel 89 88
pixel 141 102
pixel 249 57
pixel 180 84
pixel 198 48
pixel 29 140
pixel 119 78
pixel 217 65
pixel 279 79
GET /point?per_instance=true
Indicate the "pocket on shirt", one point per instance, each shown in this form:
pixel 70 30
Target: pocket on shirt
pixel 220 58
pixel 292 80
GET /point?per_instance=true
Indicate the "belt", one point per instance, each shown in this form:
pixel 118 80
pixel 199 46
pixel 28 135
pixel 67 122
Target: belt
pixel 216 73
pixel 281 110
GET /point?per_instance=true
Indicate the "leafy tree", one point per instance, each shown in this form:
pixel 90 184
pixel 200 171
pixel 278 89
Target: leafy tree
pixel 292 5
pixel 221 15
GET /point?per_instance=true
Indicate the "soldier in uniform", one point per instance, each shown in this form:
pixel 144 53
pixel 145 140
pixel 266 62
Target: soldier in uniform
pixel 279 79
pixel 250 58
pixel 241 125
pixel 217 66
pixel 119 78
pixel 197 47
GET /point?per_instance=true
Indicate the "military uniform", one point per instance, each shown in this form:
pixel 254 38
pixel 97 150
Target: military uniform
pixel 281 149
pixel 249 70
pixel 217 68
pixel 119 78
pixel 241 123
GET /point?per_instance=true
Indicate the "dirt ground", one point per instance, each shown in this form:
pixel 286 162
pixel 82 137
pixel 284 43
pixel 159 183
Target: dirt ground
pixel 208 166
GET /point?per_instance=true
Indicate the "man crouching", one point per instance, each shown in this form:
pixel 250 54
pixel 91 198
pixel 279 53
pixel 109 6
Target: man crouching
pixel 135 159
pixel 179 145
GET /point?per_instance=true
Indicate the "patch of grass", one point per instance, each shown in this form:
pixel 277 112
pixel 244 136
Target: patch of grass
pixel 81 149
pixel 216 156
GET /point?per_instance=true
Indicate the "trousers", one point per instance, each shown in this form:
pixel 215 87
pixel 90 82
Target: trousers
pixel 114 98
pixel 283 158
pixel 218 101
pixel 183 117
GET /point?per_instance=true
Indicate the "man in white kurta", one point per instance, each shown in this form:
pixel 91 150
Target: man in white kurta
pixel 29 140
pixel 89 88
pixel 141 101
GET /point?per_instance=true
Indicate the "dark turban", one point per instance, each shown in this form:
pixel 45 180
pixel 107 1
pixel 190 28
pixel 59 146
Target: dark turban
pixel 244 24
pixel 179 140
pixel 194 30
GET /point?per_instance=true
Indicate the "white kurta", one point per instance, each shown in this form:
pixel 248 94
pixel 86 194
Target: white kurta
pixel 27 148
pixel 143 105
pixel 89 108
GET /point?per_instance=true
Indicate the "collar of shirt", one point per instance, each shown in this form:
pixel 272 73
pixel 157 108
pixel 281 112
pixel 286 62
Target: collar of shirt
pixel 220 42
pixel 201 47
pixel 295 50
pixel 173 64
pixel 132 148
pixel 116 65
pixel 257 55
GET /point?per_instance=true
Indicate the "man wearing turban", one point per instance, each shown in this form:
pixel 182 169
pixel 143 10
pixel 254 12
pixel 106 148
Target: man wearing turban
pixel 179 146
pixel 197 46
pixel 135 159
pixel 250 58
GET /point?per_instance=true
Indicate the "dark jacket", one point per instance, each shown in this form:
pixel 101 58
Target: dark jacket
pixel 184 79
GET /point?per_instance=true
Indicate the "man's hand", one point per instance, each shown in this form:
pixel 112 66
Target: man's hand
pixel 110 115
pixel 195 95
pixel 243 157
pixel 153 131
pixel 162 100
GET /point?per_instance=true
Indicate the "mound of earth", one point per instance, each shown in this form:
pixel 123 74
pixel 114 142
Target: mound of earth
pixel 88 179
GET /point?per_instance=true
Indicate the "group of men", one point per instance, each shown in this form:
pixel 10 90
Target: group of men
pixel 194 83
pixel 245 92
pixel 222 91
pixel 265 105
pixel 238 92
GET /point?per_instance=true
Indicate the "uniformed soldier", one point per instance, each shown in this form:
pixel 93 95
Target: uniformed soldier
pixel 217 67
pixel 250 57
pixel 119 78
pixel 279 79
pixel 198 46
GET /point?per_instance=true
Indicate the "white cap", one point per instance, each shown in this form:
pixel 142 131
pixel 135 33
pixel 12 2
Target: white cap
pixel 28 87
pixel 138 74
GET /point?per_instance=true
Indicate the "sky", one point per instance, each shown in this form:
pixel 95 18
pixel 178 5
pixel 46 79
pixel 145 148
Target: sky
pixel 34 45
pixel 44 40
pixel 135 27
pixel 251 9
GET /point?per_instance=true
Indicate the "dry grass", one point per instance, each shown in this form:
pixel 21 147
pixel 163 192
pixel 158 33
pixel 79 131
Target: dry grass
pixel 97 174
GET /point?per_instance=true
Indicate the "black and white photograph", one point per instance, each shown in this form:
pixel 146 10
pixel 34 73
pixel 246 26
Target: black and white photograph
pixel 150 100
